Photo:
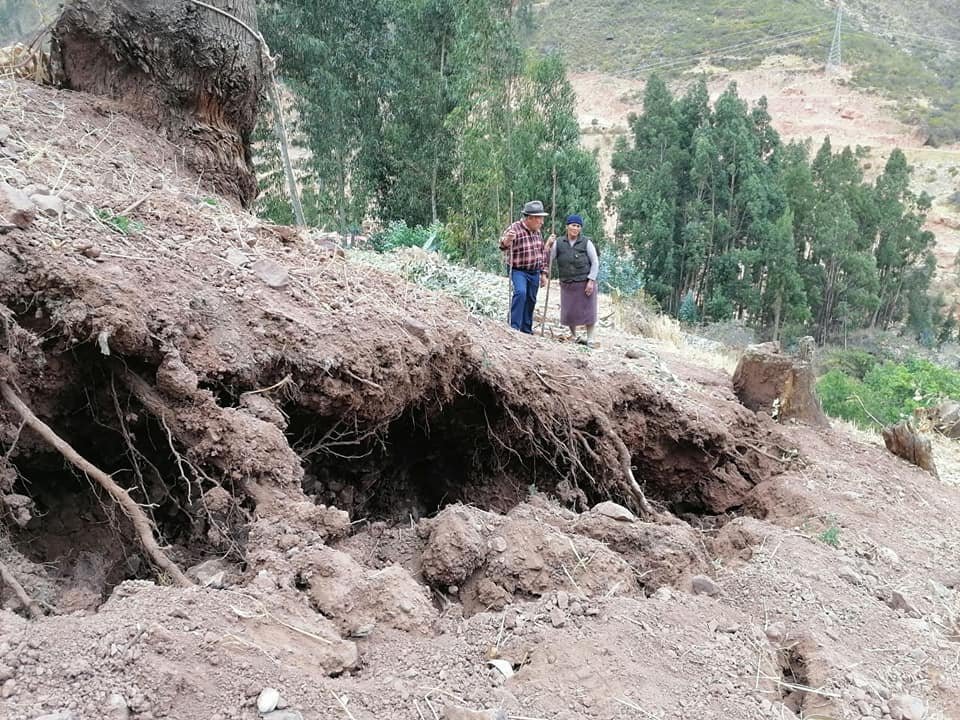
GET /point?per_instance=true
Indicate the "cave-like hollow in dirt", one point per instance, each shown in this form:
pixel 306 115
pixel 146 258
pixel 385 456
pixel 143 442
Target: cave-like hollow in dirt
pixel 462 446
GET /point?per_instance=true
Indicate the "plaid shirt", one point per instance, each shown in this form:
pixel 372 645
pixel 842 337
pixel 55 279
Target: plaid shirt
pixel 526 251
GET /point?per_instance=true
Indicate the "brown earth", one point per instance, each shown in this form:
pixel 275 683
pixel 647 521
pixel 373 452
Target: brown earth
pixel 378 493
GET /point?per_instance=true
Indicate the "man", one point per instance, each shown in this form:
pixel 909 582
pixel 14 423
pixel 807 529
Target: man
pixel 526 255
pixel 577 268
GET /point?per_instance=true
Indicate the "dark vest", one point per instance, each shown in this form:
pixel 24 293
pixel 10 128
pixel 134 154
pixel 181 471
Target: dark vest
pixel 573 263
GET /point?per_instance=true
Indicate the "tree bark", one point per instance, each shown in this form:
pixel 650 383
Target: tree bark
pixel 181 68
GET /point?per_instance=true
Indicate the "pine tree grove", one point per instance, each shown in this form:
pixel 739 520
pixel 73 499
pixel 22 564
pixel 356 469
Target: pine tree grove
pixel 720 212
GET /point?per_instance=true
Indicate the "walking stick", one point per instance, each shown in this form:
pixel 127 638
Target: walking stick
pixel 553 230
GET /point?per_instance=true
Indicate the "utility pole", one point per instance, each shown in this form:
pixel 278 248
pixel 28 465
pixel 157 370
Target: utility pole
pixel 835 60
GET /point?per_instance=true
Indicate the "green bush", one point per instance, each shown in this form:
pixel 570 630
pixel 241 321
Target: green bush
pixel 619 274
pixel 399 235
pixel 688 313
pixel 856 363
pixel 888 392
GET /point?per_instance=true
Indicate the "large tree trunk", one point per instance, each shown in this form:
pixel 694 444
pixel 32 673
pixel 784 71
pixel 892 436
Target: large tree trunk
pixel 181 68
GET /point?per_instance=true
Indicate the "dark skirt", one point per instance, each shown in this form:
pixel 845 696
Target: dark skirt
pixel 575 307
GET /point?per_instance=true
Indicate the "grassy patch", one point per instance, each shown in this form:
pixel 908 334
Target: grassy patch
pixel 120 223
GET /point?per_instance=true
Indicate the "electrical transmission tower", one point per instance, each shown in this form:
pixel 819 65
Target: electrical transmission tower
pixel 835 60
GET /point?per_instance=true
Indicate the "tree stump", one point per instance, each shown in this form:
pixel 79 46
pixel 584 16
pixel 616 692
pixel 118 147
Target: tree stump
pixel 181 68
pixel 768 381
pixel 902 440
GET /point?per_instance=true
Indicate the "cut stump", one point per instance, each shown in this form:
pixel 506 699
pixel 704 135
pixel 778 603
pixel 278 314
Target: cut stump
pixel 902 440
pixel 768 381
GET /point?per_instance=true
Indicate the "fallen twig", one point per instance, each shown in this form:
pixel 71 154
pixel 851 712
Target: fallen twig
pixel 135 204
pixel 133 511
pixel 344 706
pixel 11 581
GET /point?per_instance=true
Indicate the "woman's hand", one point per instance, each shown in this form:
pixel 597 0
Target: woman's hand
pixel 590 288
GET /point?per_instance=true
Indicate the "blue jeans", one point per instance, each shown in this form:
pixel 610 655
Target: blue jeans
pixel 525 286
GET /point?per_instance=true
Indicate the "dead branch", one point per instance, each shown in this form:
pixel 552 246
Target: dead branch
pixel 133 511
pixel 11 581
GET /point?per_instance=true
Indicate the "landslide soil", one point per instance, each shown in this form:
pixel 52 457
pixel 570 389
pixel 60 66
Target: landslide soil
pixel 378 493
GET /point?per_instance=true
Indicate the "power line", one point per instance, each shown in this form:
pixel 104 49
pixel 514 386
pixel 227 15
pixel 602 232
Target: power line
pixel 835 59
pixel 769 41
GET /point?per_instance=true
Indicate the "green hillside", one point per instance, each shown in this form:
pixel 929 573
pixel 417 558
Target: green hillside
pixel 908 52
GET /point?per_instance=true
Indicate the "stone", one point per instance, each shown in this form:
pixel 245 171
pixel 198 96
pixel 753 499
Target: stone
pixel 417 329
pixel 16 209
pixel 850 575
pixel 237 257
pixel 117 707
pixel 20 508
pixel 632 354
pixel 9 688
pixel 613 511
pixel 888 555
pixel 271 273
pixel 776 632
pixel 211 573
pixel 907 707
pixel 282 715
pixel 557 618
pixel 267 700
pixel 898 601
pixel 563 599
pixel 703 585
pixel 4 133
pixel 50 205
pixel 663 594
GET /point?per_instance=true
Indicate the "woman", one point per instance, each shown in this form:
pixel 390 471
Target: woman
pixel 577 268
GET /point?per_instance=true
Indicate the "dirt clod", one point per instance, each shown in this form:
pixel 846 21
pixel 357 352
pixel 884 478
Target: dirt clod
pixel 455 548
pixel 703 585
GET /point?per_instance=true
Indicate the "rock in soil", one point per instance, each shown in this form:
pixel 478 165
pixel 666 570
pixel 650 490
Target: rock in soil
pixel 267 700
pixel 455 548
pixel 16 209
pixel 49 205
pixel 703 585
pixel 907 707
pixel 271 273
pixel 453 712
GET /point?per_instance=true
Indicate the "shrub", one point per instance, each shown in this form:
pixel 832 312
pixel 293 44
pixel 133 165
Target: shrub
pixel 688 313
pixel 888 392
pixel 619 274
pixel 856 363
pixel 399 235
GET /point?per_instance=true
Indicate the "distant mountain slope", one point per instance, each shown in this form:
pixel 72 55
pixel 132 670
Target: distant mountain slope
pixel 909 52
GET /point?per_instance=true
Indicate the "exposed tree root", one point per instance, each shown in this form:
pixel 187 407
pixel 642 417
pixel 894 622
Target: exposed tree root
pixel 10 580
pixel 141 523
pixel 626 464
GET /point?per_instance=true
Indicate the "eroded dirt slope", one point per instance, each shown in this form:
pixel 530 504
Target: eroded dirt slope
pixel 376 493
